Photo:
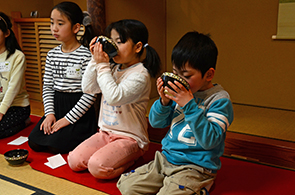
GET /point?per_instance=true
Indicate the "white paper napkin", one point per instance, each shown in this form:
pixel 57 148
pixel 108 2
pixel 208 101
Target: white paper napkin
pixel 55 161
pixel 18 141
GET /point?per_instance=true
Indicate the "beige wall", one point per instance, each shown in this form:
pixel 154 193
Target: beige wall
pixel 254 68
pixel 81 3
pixel 26 7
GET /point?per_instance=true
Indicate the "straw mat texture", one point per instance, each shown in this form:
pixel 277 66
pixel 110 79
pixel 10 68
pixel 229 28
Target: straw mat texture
pixel 264 122
pixel 236 177
pixel 29 176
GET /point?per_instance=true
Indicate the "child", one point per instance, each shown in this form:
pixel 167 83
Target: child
pixel 69 115
pixel 125 88
pixel 198 119
pixel 14 99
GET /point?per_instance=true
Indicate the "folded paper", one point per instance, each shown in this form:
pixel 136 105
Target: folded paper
pixel 55 161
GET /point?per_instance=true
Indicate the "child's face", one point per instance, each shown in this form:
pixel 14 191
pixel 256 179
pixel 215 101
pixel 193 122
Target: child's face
pixel 194 78
pixel 61 27
pixel 127 52
pixel 2 39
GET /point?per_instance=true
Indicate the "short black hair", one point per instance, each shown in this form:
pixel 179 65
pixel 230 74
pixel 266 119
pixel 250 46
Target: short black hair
pixel 196 49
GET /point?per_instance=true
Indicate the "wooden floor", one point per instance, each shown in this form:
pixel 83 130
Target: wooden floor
pixel 250 120
pixel 264 122
pixel 261 135
pixel 37 108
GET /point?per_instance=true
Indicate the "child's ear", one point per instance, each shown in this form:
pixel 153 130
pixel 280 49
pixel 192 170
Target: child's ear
pixel 210 74
pixel 76 28
pixel 138 47
pixel 7 33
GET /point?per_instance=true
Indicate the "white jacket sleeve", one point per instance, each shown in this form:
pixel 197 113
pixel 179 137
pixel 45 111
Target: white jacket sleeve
pixel 89 80
pixel 124 92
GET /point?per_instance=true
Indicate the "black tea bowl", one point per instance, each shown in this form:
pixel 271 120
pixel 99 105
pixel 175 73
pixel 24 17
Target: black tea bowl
pixel 108 46
pixel 16 157
pixel 169 76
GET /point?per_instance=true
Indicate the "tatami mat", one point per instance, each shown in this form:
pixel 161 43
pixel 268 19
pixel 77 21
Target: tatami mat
pixel 9 188
pixel 27 175
pixel 265 122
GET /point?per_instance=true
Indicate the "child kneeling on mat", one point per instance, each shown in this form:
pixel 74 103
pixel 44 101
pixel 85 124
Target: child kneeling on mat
pixel 198 119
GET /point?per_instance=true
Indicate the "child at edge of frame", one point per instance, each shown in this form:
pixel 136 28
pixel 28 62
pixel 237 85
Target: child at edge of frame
pixel 15 107
pixel 198 119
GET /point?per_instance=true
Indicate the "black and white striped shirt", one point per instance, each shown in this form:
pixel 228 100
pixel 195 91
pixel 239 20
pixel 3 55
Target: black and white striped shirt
pixel 63 72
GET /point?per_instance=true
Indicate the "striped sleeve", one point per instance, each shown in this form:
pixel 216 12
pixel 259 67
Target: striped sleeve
pixel 86 100
pixel 48 91
pixel 56 79
pixel 82 106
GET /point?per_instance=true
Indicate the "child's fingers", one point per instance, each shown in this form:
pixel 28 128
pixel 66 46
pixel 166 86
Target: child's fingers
pixel 180 86
pixel 41 126
pixel 92 41
pixel 159 82
pixel 177 86
pixel 173 86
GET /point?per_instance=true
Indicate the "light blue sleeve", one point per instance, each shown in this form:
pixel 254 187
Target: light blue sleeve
pixel 209 126
pixel 161 116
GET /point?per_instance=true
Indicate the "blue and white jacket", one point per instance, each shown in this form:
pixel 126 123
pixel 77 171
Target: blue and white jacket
pixel 197 130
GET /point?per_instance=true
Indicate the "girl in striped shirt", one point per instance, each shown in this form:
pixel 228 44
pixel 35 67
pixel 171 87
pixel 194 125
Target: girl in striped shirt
pixel 69 113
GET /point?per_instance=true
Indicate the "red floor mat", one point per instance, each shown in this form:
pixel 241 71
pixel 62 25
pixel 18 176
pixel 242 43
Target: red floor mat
pixel 236 177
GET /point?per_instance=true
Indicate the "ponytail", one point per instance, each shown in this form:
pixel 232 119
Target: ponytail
pixel 152 61
pixel 88 30
pixel 137 32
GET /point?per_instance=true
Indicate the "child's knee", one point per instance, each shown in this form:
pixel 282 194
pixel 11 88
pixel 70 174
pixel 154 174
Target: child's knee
pixel 100 170
pixel 123 186
pixel 76 163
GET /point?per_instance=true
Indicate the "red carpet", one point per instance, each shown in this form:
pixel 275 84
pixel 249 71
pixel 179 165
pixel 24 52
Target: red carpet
pixel 236 177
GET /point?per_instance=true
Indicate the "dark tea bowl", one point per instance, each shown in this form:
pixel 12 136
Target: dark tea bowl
pixel 16 157
pixel 169 76
pixel 108 46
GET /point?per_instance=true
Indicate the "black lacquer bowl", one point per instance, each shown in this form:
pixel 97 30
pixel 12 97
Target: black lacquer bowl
pixel 17 156
pixel 108 46
pixel 169 76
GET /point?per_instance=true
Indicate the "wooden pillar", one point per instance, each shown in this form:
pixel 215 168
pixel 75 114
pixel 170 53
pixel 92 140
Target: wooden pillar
pixel 14 15
pixel 96 9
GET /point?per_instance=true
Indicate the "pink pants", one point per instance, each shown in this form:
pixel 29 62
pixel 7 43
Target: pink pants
pixel 106 155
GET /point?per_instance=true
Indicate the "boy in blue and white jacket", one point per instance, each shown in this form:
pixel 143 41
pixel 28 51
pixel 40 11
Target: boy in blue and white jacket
pixel 198 119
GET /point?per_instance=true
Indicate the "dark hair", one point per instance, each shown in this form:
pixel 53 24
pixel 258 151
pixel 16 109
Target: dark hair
pixel 11 43
pixel 75 15
pixel 137 32
pixel 197 49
